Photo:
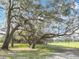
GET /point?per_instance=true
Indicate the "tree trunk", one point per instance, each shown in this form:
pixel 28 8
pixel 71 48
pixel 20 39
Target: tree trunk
pixel 5 44
pixel 29 44
pixel 8 38
pixel 33 45
pixel 12 43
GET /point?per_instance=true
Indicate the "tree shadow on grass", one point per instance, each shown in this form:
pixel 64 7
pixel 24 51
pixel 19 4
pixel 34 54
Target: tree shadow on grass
pixel 60 49
pixel 50 49
pixel 43 50
pixel 57 48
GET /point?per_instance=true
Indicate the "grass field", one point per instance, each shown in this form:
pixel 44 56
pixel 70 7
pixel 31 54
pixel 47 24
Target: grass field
pixel 21 51
pixel 66 44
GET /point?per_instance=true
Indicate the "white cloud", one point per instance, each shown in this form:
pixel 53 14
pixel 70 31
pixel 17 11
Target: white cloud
pixel 76 5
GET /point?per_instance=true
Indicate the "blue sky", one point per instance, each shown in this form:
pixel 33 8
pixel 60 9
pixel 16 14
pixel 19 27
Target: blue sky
pixel 44 2
pixel 2 12
pixel 2 15
pixel 77 1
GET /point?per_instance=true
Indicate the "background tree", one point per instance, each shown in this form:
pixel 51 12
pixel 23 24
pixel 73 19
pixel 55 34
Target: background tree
pixel 51 17
pixel 57 18
pixel 10 16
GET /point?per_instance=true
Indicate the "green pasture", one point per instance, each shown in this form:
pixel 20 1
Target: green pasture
pixel 40 52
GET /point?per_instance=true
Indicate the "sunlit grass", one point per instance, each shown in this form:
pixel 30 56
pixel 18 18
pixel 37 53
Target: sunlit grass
pixel 66 44
pixel 41 52
pixel 19 45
